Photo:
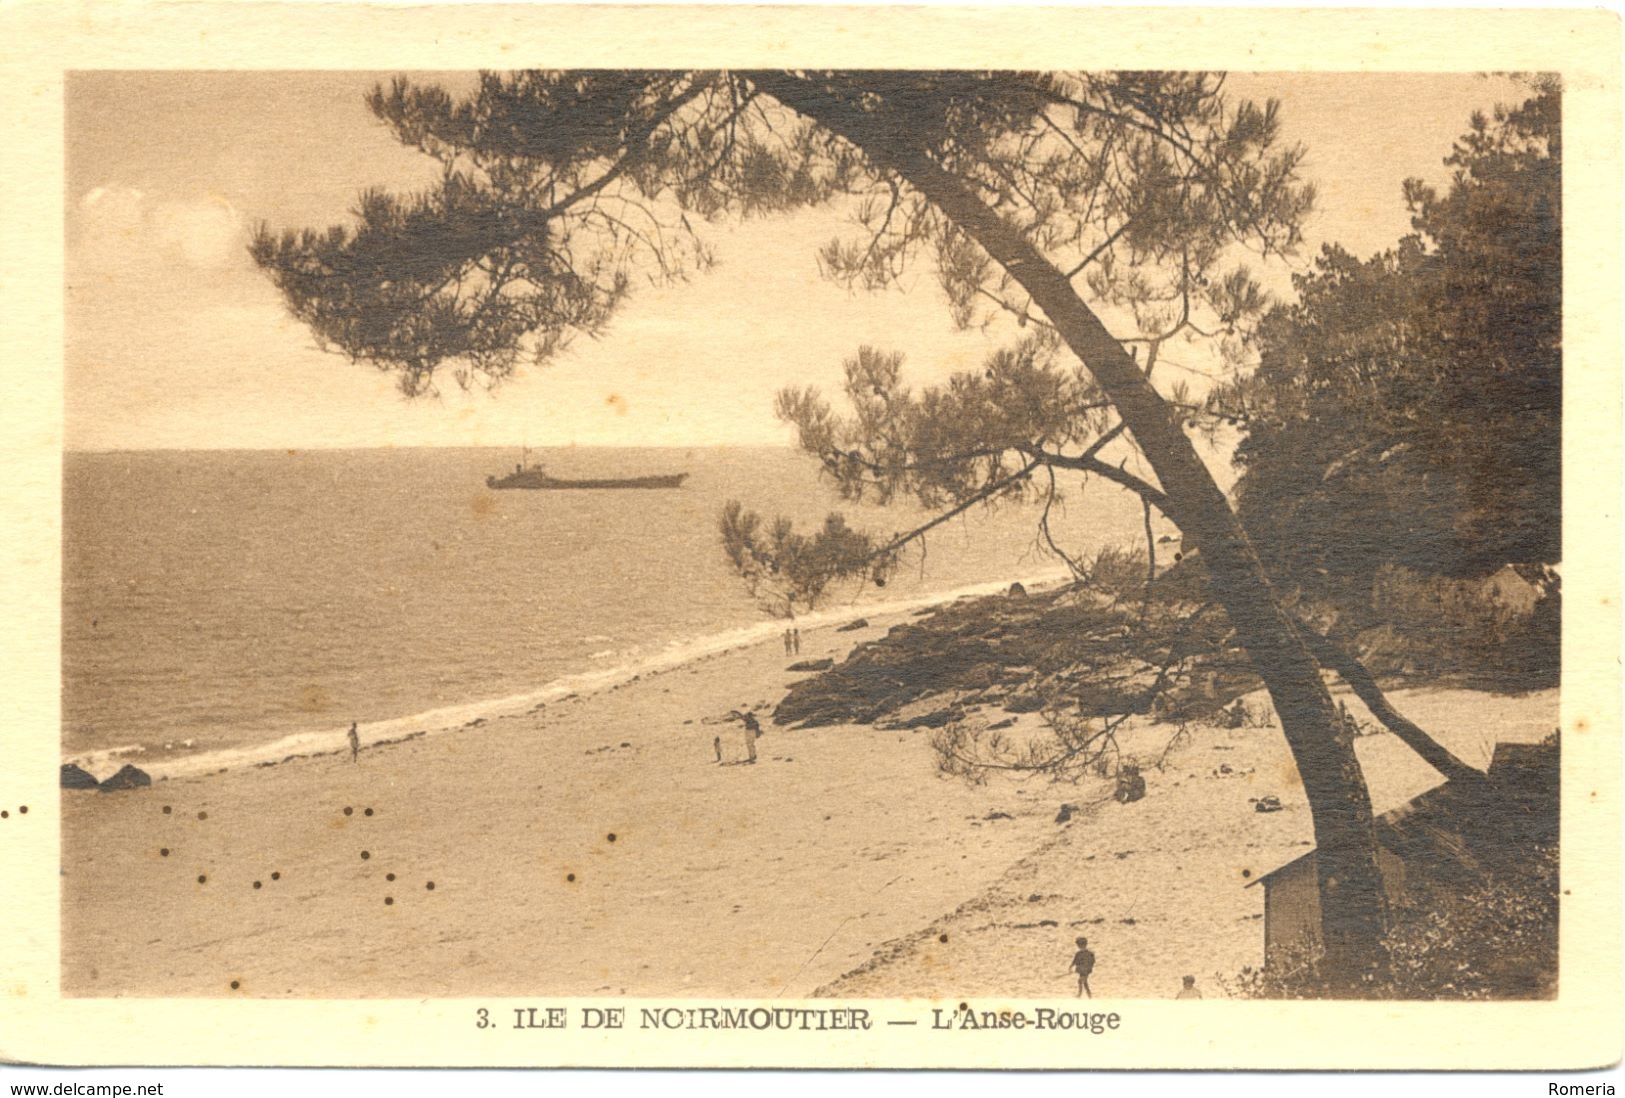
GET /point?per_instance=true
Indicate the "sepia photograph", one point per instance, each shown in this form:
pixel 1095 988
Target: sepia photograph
pixel 900 549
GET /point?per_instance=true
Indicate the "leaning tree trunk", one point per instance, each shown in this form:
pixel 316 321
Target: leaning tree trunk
pixel 1353 911
pixel 1335 657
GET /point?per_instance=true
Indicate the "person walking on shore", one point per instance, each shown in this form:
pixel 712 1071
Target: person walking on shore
pixel 355 744
pixel 787 642
pixel 1083 963
pixel 795 638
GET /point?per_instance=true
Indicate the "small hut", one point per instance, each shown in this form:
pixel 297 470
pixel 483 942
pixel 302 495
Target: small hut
pixel 1419 836
pixel 1444 836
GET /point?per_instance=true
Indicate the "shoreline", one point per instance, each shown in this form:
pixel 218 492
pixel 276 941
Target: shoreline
pixel 284 747
pixel 595 847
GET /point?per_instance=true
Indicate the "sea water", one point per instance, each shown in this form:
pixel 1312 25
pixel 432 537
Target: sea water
pixel 222 607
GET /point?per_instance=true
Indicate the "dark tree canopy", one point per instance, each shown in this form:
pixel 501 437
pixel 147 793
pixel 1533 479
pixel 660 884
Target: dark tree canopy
pixel 559 189
pixel 1408 408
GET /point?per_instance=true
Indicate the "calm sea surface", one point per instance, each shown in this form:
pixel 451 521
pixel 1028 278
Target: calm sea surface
pixel 220 606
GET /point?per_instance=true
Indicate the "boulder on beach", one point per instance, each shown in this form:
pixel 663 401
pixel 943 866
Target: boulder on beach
pixel 853 626
pixel 75 778
pixel 812 665
pixel 1016 591
pixel 128 777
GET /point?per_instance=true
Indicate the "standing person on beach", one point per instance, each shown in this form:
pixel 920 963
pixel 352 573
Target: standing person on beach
pixel 716 745
pixel 787 642
pixel 1189 990
pixel 355 744
pixel 1083 963
pixel 753 729
pixel 795 636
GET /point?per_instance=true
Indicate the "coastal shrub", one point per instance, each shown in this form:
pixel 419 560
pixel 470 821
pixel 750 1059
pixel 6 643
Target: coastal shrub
pixel 1505 630
pixel 1119 571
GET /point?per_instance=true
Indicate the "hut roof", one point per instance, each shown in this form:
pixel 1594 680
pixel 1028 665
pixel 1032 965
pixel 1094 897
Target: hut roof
pixel 1423 826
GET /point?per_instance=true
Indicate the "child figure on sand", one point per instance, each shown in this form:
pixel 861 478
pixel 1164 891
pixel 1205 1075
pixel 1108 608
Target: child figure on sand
pixel 1083 963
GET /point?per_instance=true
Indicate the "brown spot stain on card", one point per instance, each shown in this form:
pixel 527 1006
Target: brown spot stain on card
pixel 616 403
pixel 19 991
pixel 1581 724
pixel 314 699
pixel 483 505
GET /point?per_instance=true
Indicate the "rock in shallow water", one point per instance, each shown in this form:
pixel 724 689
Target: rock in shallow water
pixel 128 777
pixel 75 778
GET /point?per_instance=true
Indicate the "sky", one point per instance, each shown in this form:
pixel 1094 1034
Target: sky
pixel 176 340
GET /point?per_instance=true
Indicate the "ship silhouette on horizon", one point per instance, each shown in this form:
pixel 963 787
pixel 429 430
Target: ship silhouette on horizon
pixel 533 477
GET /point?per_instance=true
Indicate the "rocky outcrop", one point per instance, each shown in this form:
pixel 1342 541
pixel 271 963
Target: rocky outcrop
pixel 934 718
pixel 853 626
pixel 1017 654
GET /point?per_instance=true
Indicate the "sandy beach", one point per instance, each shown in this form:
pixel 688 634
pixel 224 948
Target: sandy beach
pixel 595 847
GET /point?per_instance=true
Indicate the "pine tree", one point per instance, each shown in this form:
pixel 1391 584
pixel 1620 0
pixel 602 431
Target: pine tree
pixel 1066 200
